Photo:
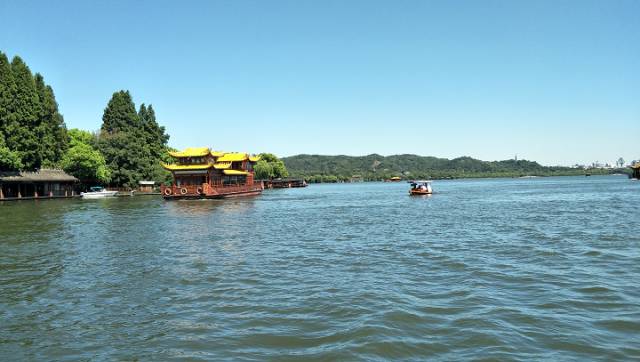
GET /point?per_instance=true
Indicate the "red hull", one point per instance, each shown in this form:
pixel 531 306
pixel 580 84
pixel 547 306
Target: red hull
pixel 208 192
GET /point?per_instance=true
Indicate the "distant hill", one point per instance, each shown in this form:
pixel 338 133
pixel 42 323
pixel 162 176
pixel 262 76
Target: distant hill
pixel 374 167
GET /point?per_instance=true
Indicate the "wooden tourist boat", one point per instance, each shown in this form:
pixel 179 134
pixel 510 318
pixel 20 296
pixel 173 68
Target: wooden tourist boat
pixel 200 173
pixel 420 188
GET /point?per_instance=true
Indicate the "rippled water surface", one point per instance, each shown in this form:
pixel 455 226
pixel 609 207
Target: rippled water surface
pixel 509 269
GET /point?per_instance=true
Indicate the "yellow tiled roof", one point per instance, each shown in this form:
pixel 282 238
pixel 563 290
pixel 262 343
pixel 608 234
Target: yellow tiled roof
pixel 222 165
pixel 221 156
pixel 233 157
pixel 191 152
pixel 235 172
pixel 205 166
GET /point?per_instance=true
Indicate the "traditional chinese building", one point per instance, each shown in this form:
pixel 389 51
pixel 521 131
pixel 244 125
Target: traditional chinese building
pixel 41 184
pixel 202 173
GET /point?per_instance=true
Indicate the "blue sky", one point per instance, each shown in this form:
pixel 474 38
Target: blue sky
pixel 552 81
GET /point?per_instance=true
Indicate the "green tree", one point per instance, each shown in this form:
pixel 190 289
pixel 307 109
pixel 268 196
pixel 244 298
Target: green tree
pixel 7 89
pixel 122 141
pixel 30 124
pixel 78 136
pixel 263 170
pixel 23 116
pixel 83 161
pixel 156 140
pixel 9 160
pixel 120 114
pixel 51 130
pixel 269 167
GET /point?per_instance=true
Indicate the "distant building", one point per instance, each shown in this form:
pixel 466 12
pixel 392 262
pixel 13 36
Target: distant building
pixel 41 184
pixel 146 186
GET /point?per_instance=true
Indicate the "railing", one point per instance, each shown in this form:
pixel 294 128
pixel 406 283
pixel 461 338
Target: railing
pixel 206 189
pixel 185 190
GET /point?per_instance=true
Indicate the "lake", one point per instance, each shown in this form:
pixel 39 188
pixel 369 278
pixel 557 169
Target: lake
pixel 507 269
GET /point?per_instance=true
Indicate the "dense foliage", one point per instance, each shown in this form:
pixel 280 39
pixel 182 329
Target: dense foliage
pixel 317 168
pixel 133 144
pixel 32 131
pixel 270 167
pixel 83 161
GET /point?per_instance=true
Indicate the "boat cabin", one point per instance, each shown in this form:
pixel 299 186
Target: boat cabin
pixel 203 173
pixel 422 187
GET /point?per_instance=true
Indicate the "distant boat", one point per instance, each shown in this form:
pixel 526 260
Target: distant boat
pixel 98 192
pixel 420 188
pixel 394 179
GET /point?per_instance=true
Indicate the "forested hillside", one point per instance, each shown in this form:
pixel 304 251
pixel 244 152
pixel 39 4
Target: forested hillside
pixel 318 168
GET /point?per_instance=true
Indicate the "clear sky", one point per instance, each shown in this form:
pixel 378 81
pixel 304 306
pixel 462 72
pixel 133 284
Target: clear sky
pixel 553 81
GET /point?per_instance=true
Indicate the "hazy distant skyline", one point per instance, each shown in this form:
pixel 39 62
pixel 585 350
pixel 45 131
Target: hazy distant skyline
pixel 551 81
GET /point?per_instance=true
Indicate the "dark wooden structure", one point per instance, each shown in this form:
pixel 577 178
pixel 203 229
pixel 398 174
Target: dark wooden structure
pixel 200 173
pixel 635 169
pixel 284 183
pixel 41 184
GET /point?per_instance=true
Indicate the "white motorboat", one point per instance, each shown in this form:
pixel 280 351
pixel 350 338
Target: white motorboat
pixel 98 192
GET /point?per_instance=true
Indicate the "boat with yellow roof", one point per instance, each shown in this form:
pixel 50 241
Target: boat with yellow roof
pixel 200 173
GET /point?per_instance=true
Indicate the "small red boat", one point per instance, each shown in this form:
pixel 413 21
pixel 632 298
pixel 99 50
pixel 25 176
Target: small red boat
pixel 420 188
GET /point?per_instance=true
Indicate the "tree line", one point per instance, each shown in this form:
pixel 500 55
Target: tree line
pixel 128 147
pixel 374 167
pixel 32 131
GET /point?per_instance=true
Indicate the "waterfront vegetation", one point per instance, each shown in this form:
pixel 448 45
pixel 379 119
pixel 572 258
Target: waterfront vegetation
pixel 374 167
pixel 32 131
pixel 269 167
pixel 128 147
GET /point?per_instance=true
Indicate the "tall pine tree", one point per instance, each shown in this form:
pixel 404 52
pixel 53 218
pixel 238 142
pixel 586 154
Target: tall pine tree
pixel 51 130
pixel 156 140
pixel 31 127
pixel 23 119
pixel 123 141
pixel 7 89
